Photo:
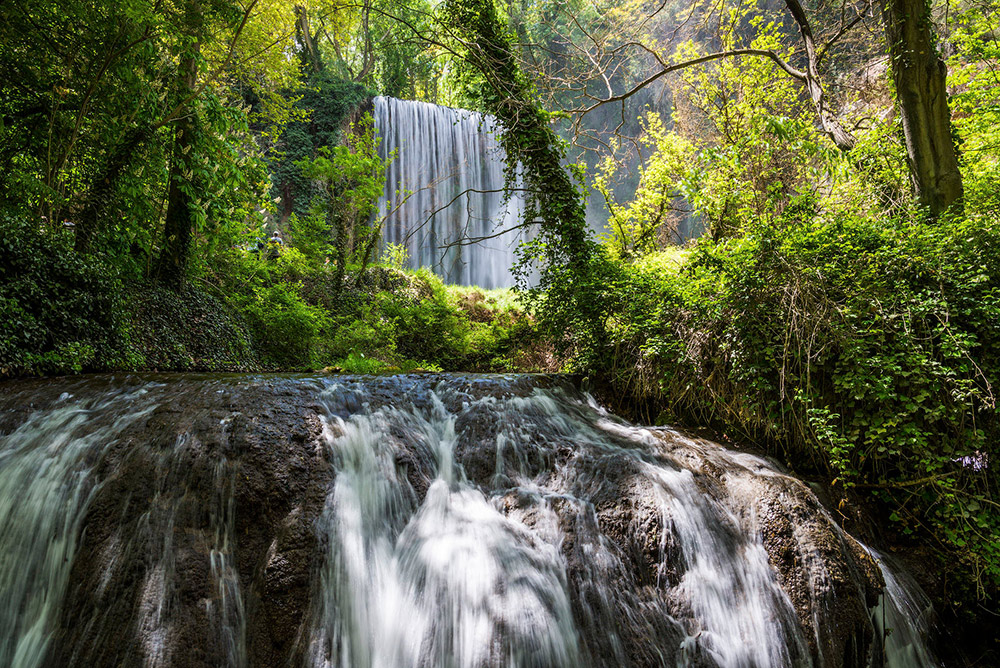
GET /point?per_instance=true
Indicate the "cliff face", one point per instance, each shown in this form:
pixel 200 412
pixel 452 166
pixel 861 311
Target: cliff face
pixel 436 520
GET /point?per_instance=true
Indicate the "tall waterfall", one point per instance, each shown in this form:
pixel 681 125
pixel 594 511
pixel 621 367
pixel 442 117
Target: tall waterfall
pixel 444 196
pixel 438 521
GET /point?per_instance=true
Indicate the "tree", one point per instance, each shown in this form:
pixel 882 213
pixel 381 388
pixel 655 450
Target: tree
pixel 172 264
pixel 918 73
pixel 572 289
pixel 67 92
pixel 127 120
pixel 352 177
pixel 920 77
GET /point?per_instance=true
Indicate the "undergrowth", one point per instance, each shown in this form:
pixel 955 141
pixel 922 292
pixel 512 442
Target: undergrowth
pixel 868 351
pixel 62 312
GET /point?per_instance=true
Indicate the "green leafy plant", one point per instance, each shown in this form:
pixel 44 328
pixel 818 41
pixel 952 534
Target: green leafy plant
pixel 352 176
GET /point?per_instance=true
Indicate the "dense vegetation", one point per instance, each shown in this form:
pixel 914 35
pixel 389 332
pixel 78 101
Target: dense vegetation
pixel 844 321
pixel 841 308
pixel 146 160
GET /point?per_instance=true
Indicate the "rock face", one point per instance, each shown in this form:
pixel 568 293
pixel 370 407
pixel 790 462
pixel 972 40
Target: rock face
pixel 199 542
pixel 429 520
pixel 829 577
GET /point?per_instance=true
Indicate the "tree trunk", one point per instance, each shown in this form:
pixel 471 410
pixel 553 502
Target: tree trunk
pixel 90 221
pixel 919 75
pixel 338 221
pixel 171 268
pixel 307 42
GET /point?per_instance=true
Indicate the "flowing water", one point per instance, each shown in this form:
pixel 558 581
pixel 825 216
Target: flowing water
pixel 435 521
pixel 903 619
pixel 45 489
pixel 445 189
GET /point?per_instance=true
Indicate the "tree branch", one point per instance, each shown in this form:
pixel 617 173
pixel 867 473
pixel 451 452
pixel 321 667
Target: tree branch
pixel 763 53
pixel 175 112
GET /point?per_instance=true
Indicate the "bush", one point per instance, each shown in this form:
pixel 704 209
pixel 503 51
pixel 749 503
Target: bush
pixel 865 350
pixel 60 312
pixel 187 330
pixel 400 320
pixel 429 328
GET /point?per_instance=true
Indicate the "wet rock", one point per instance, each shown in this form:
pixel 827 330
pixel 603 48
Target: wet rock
pixel 208 476
pixel 201 544
pixel 831 580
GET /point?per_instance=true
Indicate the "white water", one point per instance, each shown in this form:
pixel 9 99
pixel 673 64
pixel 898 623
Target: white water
pixel 45 489
pixel 454 582
pixel 467 526
pixel 226 610
pixel 742 617
pixel 901 618
pixel 453 167
pixel 448 582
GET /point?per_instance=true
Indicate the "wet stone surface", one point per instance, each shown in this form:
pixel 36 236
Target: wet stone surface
pixel 427 520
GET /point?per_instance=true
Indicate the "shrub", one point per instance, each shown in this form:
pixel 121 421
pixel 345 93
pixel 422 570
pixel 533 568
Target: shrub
pixel 60 312
pixel 866 350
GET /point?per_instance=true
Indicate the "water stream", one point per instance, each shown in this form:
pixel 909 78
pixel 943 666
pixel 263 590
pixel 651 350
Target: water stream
pixel 444 189
pixel 45 489
pixel 435 522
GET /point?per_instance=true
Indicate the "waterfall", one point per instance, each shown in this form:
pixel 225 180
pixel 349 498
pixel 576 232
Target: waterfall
pixel 45 490
pixel 444 189
pixel 431 521
pixel 901 619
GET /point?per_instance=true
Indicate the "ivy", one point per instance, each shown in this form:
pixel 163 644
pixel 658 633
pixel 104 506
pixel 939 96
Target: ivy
pixel 571 294
pixel 866 351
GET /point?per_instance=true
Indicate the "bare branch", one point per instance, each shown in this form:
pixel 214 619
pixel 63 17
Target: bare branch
pixel 763 53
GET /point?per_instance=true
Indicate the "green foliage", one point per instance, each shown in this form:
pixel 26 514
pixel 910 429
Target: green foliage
pixel 976 102
pixel 59 312
pixel 670 173
pixel 63 312
pixel 311 235
pixel 187 330
pixel 147 125
pixel 430 328
pixel 300 319
pixel 321 107
pixel 283 324
pixel 869 350
pixel 270 296
pixel 756 140
pixel 570 296
pixel 394 256
pixel 357 363
pixel 91 106
pixel 824 317
pixel 351 177
pixel 427 325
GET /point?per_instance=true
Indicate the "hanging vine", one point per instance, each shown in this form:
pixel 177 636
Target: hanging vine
pixel 571 295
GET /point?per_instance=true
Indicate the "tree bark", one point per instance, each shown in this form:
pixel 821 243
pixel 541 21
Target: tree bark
pixel 171 268
pixel 844 140
pixel 920 78
pixel 307 42
pixel 90 221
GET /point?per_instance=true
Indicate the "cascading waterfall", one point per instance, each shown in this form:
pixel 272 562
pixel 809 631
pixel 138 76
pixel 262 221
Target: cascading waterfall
pixel 45 489
pixel 226 608
pixel 901 619
pixel 448 582
pixel 444 189
pixel 743 616
pixel 434 522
